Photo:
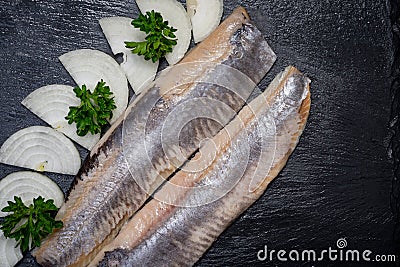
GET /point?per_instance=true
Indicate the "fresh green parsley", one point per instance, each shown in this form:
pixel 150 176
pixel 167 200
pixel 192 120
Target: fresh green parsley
pixel 29 225
pixel 94 111
pixel 160 36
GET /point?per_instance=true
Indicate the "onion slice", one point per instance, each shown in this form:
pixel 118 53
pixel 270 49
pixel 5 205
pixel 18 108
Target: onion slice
pixel 10 254
pixel 205 16
pixel 177 17
pixel 42 149
pixel 87 66
pixel 28 185
pixel 51 103
pixel 118 30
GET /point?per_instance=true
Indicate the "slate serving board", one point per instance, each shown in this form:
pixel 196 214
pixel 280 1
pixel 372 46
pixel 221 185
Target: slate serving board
pixel 341 181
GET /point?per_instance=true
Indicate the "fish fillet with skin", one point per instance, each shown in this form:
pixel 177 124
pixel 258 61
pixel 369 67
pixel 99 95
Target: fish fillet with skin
pixel 183 221
pixel 211 83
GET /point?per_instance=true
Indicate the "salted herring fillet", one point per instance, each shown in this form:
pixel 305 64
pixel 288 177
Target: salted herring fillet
pixel 194 208
pixel 160 130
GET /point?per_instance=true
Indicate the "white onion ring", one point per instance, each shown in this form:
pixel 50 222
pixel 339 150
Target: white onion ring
pixel 28 185
pixel 138 71
pixel 9 253
pixel 205 16
pixel 87 66
pixel 51 103
pixel 177 17
pixel 42 149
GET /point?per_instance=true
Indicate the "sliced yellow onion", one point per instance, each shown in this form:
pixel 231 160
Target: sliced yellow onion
pixel 205 16
pixel 177 17
pixel 10 254
pixel 87 66
pixel 28 185
pixel 51 103
pixel 118 30
pixel 42 149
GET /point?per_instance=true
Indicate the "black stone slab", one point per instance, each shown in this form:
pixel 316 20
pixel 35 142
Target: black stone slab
pixel 343 179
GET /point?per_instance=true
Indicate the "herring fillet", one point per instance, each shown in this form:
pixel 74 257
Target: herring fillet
pixel 129 162
pixel 161 234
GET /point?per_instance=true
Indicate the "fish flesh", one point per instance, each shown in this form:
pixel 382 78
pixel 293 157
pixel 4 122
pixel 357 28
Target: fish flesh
pixel 178 226
pixel 195 207
pixel 160 130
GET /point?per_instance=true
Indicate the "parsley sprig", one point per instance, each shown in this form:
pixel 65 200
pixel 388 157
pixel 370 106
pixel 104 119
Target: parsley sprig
pixel 94 111
pixel 29 225
pixel 160 36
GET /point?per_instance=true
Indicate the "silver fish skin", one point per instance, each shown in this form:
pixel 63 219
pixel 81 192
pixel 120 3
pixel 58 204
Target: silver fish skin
pixel 180 224
pixel 135 156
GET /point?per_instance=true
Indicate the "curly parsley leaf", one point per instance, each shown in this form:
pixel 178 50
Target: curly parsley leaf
pixel 94 111
pixel 29 225
pixel 160 37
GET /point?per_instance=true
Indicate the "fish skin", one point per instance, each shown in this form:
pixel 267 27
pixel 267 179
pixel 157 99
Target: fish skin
pixel 105 193
pixel 169 235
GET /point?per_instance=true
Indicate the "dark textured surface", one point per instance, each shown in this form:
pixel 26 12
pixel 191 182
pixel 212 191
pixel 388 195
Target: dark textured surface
pixel 338 183
pixel 394 149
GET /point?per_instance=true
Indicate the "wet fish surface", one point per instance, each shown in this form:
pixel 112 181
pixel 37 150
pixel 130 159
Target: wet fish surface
pixel 188 214
pixel 138 152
